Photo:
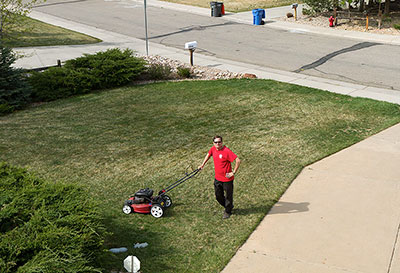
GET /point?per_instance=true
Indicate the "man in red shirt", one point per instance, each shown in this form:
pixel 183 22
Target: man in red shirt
pixel 223 183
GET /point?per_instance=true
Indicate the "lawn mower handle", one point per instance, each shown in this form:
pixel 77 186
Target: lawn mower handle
pixel 180 181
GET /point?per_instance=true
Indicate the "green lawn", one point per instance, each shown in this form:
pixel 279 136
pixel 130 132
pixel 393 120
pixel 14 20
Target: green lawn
pixel 118 141
pixel 31 32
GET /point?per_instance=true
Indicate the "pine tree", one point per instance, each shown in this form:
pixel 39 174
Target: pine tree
pixel 14 90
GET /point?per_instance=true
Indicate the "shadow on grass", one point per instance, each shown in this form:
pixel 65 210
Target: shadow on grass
pixel 171 212
pixel 251 210
pixel 126 232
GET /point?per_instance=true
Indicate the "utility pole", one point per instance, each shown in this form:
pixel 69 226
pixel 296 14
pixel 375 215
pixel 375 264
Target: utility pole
pixel 145 27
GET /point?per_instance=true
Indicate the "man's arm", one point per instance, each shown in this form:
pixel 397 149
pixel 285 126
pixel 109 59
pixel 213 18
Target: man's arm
pixel 204 161
pixel 237 164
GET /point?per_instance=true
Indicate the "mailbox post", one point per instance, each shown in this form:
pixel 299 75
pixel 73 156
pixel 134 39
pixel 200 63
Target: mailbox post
pixel 191 46
pixel 294 6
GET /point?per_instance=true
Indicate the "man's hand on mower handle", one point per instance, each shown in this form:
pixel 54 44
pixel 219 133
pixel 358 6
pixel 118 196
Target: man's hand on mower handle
pixel 229 175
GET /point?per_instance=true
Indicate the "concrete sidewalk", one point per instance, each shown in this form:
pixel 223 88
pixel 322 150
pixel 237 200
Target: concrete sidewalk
pixel 341 214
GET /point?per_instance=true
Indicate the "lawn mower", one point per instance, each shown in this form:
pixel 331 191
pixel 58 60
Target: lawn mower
pixel 143 200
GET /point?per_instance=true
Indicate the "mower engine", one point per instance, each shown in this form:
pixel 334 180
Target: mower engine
pixel 143 196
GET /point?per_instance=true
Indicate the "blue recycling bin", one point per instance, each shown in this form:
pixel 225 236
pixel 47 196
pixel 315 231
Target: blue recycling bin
pixel 258 15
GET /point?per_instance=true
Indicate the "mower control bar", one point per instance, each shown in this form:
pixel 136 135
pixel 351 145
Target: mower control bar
pixel 180 181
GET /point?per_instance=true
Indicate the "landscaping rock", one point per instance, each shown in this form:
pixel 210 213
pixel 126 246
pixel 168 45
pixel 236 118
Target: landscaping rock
pixel 197 72
pixel 249 76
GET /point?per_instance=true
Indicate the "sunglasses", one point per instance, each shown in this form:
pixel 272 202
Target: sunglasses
pixel 217 142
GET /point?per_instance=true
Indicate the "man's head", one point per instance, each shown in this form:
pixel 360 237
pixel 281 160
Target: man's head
pixel 218 142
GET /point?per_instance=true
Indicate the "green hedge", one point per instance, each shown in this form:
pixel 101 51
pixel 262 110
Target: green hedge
pixel 111 68
pixel 60 82
pixel 47 227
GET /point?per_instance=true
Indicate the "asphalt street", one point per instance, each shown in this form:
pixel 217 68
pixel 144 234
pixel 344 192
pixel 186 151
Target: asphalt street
pixel 354 61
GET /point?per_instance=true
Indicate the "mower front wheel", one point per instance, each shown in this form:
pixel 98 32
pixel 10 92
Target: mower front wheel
pixel 157 211
pixel 127 209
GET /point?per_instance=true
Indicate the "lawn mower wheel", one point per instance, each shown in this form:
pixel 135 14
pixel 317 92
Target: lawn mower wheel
pixel 157 211
pixel 127 209
pixel 167 200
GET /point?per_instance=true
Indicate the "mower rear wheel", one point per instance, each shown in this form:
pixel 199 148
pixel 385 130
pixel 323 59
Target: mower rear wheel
pixel 168 201
pixel 157 211
pixel 127 209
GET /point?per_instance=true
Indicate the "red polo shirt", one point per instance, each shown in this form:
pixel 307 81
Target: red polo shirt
pixel 222 162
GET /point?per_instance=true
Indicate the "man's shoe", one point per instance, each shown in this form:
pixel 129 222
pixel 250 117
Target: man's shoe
pixel 226 215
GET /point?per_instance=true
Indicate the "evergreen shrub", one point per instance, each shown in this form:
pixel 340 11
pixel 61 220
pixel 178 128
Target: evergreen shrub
pixel 60 82
pixel 110 68
pixel 47 227
pixel 159 72
pixel 14 89
pixel 184 72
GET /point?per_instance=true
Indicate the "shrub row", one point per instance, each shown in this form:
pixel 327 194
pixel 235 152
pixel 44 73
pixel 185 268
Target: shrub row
pixel 159 72
pixel 107 69
pixel 46 227
pixel 110 68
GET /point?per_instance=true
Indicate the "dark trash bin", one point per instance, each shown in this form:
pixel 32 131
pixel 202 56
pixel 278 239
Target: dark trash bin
pixel 216 9
pixel 258 15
